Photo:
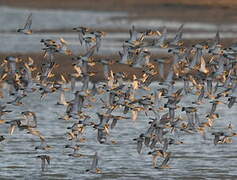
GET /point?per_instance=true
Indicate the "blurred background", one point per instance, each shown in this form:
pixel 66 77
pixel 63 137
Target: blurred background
pixel 202 10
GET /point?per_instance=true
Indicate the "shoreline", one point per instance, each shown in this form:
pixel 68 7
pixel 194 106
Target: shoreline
pixel 184 10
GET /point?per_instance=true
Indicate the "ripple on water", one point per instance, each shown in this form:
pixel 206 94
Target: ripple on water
pixel 195 159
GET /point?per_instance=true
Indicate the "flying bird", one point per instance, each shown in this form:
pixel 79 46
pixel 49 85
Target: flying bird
pixel 27 27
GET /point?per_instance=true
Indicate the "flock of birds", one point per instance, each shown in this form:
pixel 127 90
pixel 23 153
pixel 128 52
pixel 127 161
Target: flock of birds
pixel 207 71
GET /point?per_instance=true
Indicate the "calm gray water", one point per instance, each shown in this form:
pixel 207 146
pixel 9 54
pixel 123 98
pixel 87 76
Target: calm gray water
pixel 195 159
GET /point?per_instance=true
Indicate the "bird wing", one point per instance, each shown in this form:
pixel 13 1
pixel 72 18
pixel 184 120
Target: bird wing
pixel 154 160
pixel 216 40
pixel 203 66
pixel 202 92
pixel 113 124
pixel 163 37
pixel 94 162
pixel 48 159
pixel 133 34
pixel 42 164
pixel 139 146
pixel 134 115
pixel 80 37
pixel 216 139
pixel 28 22
pixel 166 144
pixel 62 99
pixel 166 160
pixel 213 108
pixel 170 76
pixel 197 119
pixel 178 35
pixel 90 52
pixel 12 128
pixel 190 119
pixel 161 70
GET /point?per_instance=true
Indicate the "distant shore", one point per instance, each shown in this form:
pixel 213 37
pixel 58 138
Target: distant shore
pixel 185 10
